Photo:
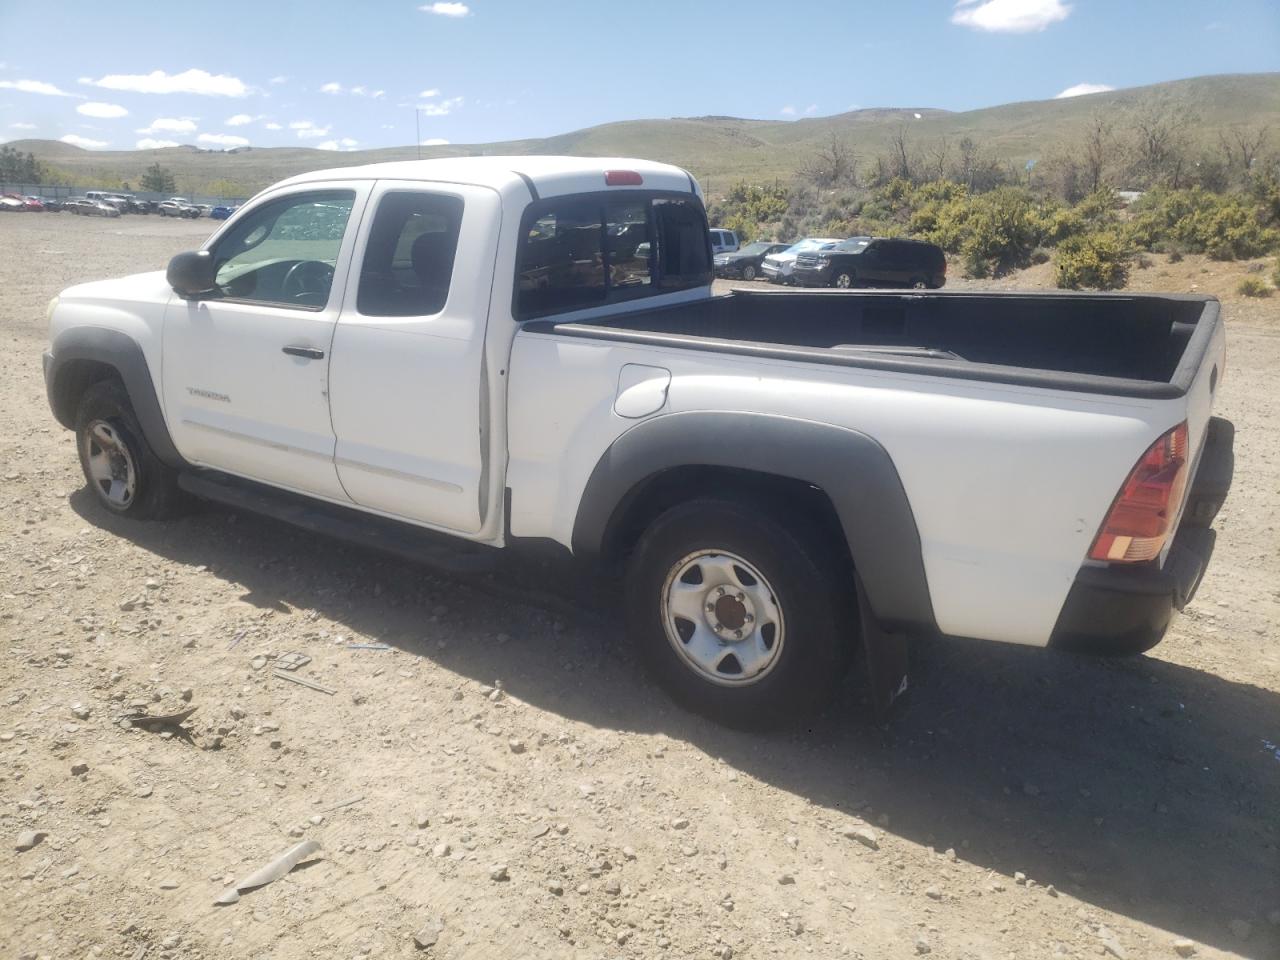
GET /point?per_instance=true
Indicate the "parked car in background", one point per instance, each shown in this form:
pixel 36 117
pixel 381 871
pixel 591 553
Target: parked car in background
pixel 745 262
pixel 777 267
pixel 113 200
pixel 33 204
pixel 204 208
pixel 222 211
pixel 723 241
pixel 177 207
pixel 50 204
pixel 10 203
pixel 875 262
pixel 105 208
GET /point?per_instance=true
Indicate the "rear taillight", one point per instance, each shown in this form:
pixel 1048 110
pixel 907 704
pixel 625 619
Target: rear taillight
pixel 1142 516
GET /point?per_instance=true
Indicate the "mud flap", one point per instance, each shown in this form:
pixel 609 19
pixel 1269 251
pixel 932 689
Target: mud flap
pixel 886 659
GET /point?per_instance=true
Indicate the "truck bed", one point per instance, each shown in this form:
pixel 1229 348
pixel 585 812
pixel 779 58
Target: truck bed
pixel 1122 344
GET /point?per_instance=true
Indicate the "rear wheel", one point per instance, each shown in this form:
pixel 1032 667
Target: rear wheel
pixel 737 615
pixel 748 272
pixel 120 467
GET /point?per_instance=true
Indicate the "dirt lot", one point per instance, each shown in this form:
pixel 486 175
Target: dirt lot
pixel 1024 804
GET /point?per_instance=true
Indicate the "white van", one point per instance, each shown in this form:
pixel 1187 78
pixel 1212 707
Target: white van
pixel 723 241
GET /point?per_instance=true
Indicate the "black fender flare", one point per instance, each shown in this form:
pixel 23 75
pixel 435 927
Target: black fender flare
pixel 854 471
pixel 124 355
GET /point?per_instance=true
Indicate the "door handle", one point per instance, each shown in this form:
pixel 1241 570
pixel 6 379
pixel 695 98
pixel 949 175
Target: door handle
pixel 310 353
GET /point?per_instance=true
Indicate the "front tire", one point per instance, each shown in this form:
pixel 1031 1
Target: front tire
pixel 844 280
pixel 748 272
pixel 737 615
pixel 121 469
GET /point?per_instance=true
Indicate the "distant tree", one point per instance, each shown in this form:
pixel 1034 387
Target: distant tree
pixel 1099 148
pixel 158 180
pixel 834 164
pixel 1161 131
pixel 1241 147
pixel 900 154
pixel 939 158
pixel 20 167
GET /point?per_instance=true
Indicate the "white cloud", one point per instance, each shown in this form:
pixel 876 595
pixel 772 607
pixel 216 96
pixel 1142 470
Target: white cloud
pixel 378 94
pixel 1010 16
pixel 223 140
pixel 434 142
pixel 346 143
pixel 429 93
pixel 199 82
pixel 34 86
pixel 102 111
pixel 147 143
pixel 444 9
pixel 307 130
pixel 811 108
pixel 273 126
pixel 1080 89
pixel 22 126
pixel 788 111
pixel 78 141
pixel 331 88
pixel 239 120
pixel 327 145
pixel 170 125
pixel 441 109
pixel 278 80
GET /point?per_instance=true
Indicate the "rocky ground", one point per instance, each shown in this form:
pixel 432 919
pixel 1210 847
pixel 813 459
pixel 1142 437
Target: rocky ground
pixel 501 781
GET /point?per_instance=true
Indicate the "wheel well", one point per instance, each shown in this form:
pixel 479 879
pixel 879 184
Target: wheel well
pixel 793 502
pixel 75 377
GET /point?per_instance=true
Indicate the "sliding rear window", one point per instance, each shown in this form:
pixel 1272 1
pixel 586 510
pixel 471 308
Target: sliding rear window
pixel 593 249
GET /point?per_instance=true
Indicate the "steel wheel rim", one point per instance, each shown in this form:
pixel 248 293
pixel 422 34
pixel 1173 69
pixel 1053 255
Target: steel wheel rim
pixel 110 465
pixel 722 618
pixel 844 281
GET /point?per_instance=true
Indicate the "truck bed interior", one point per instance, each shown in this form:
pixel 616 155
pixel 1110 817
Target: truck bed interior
pixel 1143 338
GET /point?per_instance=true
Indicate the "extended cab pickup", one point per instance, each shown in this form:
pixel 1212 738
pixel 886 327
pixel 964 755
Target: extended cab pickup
pixel 525 352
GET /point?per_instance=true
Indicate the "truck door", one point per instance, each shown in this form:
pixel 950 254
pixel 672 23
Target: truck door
pixel 246 373
pixel 407 376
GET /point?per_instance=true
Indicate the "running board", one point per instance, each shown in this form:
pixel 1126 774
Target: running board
pixel 444 553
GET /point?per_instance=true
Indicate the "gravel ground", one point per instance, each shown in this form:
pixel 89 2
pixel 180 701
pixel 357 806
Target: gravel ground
pixel 502 782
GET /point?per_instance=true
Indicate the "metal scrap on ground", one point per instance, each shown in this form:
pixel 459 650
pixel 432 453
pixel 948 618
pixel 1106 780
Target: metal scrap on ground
pixel 272 872
pixel 302 680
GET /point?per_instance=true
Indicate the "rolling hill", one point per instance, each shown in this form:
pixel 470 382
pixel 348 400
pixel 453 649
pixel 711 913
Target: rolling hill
pixel 720 150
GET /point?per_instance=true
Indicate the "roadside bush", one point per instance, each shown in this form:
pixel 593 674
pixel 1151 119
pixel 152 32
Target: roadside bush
pixel 1275 275
pixel 1096 261
pixel 993 232
pixel 1253 287
pixel 1225 226
pixel 1041 255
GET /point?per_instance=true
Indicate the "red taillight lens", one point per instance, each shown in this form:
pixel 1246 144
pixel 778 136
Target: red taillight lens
pixel 1141 518
pixel 622 178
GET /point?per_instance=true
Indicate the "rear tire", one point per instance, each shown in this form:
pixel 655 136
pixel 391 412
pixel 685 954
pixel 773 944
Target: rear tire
pixel 738 616
pixel 120 468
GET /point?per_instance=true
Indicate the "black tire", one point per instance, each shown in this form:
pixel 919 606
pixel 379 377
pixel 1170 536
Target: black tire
pixel 816 611
pixel 155 494
pixel 919 283
pixel 748 272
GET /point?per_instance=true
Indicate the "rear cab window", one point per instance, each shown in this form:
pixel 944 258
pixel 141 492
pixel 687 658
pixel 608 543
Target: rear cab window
pixel 590 250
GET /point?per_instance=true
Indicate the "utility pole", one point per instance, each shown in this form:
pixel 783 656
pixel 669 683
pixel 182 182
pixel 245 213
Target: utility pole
pixel 417 130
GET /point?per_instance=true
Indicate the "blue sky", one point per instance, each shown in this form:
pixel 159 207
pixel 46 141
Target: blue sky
pixel 346 75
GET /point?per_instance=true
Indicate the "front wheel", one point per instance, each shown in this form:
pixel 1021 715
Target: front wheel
pixel 121 469
pixel 748 272
pixel 843 280
pixel 739 616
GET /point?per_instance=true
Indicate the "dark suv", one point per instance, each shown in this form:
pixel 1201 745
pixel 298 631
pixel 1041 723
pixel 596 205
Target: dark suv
pixel 873 261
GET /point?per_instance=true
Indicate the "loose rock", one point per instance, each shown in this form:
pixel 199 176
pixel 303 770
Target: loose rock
pixel 29 840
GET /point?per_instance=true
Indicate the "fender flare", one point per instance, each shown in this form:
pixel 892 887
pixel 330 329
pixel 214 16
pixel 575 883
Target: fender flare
pixel 852 469
pixel 123 354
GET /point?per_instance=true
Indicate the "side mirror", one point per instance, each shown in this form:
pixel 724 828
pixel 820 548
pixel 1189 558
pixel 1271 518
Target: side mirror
pixel 192 275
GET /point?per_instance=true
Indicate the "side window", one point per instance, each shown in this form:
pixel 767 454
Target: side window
pixel 285 251
pixel 561 260
pixel 408 261
pixel 682 244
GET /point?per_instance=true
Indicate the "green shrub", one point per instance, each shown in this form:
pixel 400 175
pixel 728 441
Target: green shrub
pixel 1253 287
pixel 1275 274
pixel 1098 261
pixel 1225 226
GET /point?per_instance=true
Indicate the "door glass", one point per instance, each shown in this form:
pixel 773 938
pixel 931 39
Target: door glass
pixel 408 261
pixel 285 251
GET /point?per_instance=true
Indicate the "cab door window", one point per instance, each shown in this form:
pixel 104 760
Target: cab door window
pixel 284 253
pixel 408 259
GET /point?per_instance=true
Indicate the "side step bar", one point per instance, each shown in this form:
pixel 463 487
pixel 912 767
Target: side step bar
pixel 445 553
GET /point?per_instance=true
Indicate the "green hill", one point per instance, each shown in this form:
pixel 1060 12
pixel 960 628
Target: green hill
pixel 721 149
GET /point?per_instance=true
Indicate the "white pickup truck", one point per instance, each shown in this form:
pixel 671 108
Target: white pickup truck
pixel 525 352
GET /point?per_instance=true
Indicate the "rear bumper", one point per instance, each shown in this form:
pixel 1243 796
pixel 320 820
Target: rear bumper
pixel 1126 609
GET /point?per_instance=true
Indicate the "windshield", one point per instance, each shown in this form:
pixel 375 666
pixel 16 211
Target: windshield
pixel 853 245
pixel 760 246
pixel 809 243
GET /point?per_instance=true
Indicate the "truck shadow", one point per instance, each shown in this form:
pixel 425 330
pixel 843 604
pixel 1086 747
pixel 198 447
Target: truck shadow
pixel 1141 786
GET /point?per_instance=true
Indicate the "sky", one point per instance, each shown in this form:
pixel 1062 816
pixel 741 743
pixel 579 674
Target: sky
pixel 342 75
